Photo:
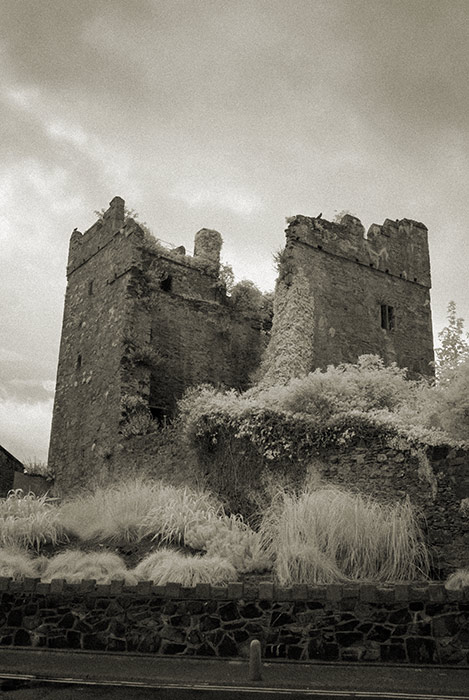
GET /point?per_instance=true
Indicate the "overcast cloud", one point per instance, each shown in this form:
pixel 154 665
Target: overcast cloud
pixel 230 115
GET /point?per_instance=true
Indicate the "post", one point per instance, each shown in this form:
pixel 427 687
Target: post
pixel 255 664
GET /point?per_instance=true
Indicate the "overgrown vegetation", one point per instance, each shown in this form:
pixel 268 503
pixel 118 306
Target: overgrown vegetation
pixel 29 521
pixel 329 535
pixel 320 535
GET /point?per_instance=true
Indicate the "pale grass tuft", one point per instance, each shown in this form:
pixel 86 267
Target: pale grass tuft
pixel 133 510
pixel 231 538
pixel 75 566
pixel 329 535
pixel 169 566
pixel 458 580
pixel 18 564
pixel 28 520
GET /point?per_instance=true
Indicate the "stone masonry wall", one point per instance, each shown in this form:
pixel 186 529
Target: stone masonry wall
pixel 87 399
pixel 418 623
pixel 9 465
pixel 352 277
pixel 436 479
pixel 140 322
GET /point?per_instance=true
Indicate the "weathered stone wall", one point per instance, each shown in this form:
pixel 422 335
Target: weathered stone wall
pixel 436 479
pixel 9 465
pixel 387 468
pixel 87 407
pixel 351 278
pixel 421 623
pixel 139 322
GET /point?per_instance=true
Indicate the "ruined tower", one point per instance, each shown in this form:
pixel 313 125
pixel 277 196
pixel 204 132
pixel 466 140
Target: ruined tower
pixel 340 295
pixel 142 322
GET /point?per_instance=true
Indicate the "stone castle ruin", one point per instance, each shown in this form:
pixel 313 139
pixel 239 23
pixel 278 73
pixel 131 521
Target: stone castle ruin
pixel 143 322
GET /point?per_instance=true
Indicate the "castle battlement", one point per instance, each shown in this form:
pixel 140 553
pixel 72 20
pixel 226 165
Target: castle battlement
pixel 398 248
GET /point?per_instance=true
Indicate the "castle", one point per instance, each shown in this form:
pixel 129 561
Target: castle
pixel 143 322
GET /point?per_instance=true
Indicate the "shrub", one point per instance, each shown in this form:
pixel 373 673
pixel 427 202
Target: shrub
pixel 18 564
pixel 168 565
pixel 74 565
pixel 458 580
pixel 28 520
pixel 330 535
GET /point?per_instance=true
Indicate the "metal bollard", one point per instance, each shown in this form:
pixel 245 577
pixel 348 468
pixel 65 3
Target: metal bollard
pixel 255 664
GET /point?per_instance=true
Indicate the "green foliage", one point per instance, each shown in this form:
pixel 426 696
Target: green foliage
pixel 454 341
pixel 328 535
pixel 445 407
pixel 136 416
pixel 168 565
pixel 246 296
pixel 27 520
pixel 226 277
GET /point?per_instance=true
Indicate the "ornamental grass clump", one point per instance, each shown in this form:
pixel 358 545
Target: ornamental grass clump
pixel 134 509
pixel 458 580
pixel 170 566
pixel 18 564
pixel 27 520
pixel 329 535
pixel 230 537
pixel 74 565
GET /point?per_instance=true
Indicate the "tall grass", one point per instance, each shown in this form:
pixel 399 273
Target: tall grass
pixel 330 535
pixel 18 564
pixel 135 509
pixel 28 520
pixel 73 566
pixel 167 565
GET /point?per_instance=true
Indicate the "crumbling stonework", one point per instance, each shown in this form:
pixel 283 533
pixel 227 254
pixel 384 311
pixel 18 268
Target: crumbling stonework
pixel 366 295
pixel 141 324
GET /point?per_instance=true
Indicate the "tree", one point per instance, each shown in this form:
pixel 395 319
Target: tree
pixel 454 341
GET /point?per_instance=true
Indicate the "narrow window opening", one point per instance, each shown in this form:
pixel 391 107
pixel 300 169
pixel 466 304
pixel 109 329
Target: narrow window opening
pixel 387 317
pixel 90 288
pixel 78 364
pixel 167 283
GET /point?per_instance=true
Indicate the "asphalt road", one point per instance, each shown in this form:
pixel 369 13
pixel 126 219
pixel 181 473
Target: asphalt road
pixel 23 674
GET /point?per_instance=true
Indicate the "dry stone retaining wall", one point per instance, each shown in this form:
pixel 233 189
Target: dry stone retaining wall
pixel 417 623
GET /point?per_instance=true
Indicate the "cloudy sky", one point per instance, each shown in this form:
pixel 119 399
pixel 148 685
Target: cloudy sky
pixel 229 114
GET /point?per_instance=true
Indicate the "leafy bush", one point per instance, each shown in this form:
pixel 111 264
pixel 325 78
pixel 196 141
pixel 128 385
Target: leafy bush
pixel 168 565
pixel 17 564
pixel 458 580
pixel 330 535
pixel 28 520
pixel 74 565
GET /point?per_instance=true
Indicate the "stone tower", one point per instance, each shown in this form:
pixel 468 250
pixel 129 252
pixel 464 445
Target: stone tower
pixel 141 324
pixel 340 295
